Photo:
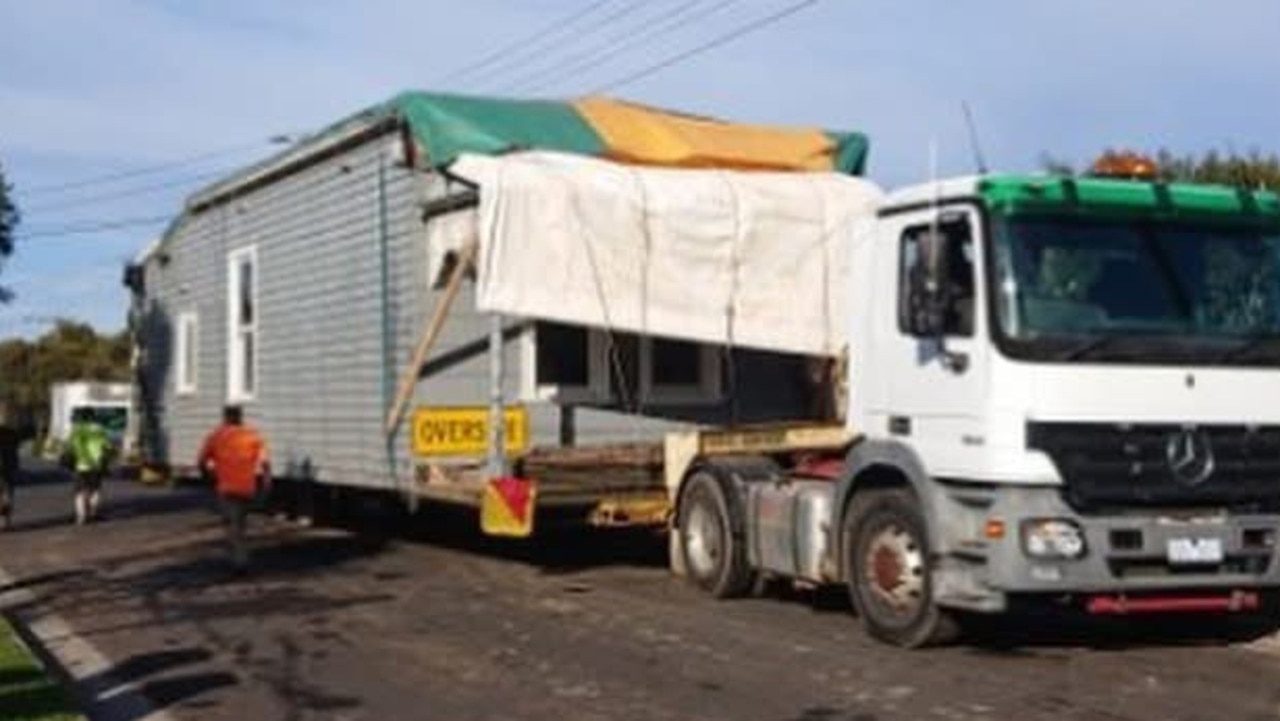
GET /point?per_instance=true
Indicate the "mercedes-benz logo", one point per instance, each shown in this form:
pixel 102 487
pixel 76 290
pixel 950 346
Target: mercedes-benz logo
pixel 1190 456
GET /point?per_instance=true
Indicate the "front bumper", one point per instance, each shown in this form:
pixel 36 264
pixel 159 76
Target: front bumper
pixel 1124 553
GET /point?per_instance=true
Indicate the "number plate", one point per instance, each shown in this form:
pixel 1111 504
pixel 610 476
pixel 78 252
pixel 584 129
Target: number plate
pixel 1195 550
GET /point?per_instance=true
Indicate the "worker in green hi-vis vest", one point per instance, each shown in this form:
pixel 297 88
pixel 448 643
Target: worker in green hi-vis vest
pixel 88 451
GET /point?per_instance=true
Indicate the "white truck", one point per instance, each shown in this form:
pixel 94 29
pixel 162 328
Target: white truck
pixel 1056 388
pixel 110 403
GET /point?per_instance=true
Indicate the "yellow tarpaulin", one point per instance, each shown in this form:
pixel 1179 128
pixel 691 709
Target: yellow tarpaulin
pixel 636 134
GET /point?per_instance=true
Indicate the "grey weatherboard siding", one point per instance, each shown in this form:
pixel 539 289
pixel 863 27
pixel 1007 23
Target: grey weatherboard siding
pixel 321 390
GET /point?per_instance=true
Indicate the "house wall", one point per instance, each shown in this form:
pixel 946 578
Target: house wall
pixel 323 376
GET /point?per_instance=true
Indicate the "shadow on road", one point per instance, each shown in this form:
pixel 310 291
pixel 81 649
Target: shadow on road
pixel 31 582
pixel 103 693
pixel 1025 632
pixel 120 500
pixel 555 547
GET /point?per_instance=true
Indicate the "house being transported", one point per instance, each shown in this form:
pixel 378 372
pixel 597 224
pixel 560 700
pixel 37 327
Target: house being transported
pixel 337 291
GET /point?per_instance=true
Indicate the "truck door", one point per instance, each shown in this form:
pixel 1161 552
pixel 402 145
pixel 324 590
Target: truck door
pixel 937 385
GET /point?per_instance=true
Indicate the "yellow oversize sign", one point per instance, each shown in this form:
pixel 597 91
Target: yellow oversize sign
pixel 464 430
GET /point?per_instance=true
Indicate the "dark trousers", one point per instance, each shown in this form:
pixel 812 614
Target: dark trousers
pixel 8 477
pixel 235 516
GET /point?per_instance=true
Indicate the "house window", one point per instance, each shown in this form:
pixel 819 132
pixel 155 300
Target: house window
pixel 658 371
pixel 188 353
pixel 673 371
pixel 572 364
pixel 243 311
pixel 564 363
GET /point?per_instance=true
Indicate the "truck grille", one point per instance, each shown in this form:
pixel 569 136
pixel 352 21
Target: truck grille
pixel 1110 466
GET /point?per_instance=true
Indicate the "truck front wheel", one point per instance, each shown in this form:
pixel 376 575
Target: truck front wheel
pixel 887 568
pixel 714 556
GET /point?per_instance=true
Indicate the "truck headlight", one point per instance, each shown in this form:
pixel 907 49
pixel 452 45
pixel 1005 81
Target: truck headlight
pixel 1052 538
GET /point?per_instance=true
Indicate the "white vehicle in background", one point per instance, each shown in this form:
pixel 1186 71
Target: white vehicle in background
pixel 111 404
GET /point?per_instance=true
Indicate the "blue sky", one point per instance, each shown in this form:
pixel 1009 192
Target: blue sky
pixel 88 89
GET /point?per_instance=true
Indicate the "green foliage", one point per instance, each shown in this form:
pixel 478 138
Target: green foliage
pixel 1254 169
pixel 1243 290
pixel 1054 165
pixel 71 351
pixel 27 692
pixel 8 224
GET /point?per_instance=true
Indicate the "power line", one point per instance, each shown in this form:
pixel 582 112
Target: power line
pixel 709 45
pixel 125 193
pixel 535 55
pixel 557 26
pixel 540 69
pixel 148 170
pixel 95 226
pixel 679 20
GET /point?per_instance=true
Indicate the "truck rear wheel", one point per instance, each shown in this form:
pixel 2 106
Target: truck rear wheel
pixel 887 568
pixel 714 556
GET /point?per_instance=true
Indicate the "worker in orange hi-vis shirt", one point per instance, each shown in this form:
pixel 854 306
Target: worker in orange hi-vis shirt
pixel 237 457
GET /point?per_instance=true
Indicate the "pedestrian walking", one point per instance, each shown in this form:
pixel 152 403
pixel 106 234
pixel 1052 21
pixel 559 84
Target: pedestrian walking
pixel 89 451
pixel 10 438
pixel 236 456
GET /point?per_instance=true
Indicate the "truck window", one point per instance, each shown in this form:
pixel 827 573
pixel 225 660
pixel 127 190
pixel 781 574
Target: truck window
pixel 960 265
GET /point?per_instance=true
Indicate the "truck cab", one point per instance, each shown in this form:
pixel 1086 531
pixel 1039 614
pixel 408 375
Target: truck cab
pixel 1058 388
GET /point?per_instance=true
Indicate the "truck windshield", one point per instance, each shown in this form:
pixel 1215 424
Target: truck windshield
pixel 1129 290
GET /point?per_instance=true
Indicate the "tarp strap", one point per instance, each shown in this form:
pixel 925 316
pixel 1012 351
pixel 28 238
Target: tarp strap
pixel 730 311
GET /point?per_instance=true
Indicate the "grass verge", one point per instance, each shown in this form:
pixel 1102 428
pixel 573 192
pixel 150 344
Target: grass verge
pixel 27 691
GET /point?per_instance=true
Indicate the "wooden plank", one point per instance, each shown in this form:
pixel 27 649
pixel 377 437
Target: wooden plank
pixel 429 335
pixel 632 454
pixel 774 439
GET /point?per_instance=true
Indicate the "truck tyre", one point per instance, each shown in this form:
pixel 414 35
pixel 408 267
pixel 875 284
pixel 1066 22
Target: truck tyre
pixel 887 568
pixel 714 555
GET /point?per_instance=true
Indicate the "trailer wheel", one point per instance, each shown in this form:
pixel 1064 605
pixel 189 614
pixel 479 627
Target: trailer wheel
pixel 714 556
pixel 887 568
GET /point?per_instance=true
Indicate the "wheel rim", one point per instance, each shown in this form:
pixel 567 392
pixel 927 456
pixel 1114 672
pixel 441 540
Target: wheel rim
pixel 894 571
pixel 702 541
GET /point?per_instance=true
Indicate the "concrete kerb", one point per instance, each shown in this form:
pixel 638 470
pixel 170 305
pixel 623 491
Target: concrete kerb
pixel 82 666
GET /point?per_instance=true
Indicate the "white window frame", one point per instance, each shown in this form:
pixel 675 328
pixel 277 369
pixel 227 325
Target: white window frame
pixel 236 333
pixel 595 391
pixel 188 346
pixel 708 390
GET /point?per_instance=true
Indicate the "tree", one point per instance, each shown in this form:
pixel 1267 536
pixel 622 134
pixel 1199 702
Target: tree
pixel 1252 170
pixel 1249 170
pixel 8 224
pixel 71 351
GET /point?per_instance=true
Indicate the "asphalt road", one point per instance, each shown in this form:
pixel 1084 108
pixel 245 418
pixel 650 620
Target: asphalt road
pixel 418 618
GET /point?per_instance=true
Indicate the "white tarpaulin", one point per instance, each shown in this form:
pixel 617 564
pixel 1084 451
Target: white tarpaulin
pixel 747 259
